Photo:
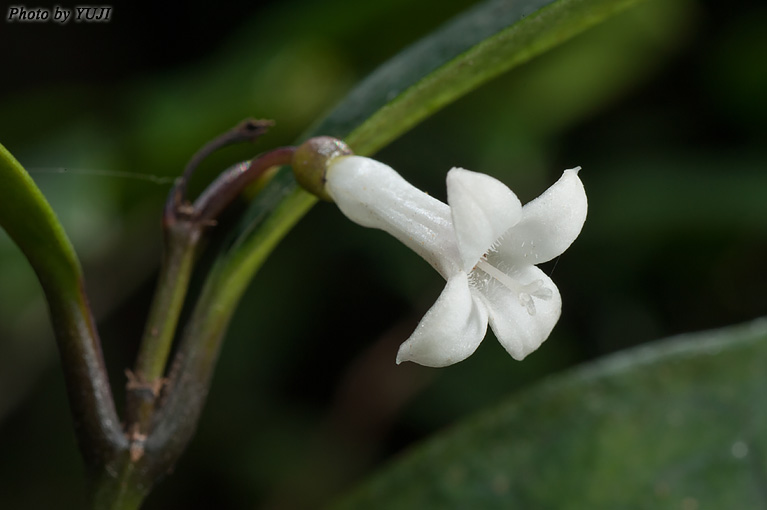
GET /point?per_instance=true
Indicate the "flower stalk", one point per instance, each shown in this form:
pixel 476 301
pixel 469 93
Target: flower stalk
pixel 146 381
pixel 183 227
pixel 157 430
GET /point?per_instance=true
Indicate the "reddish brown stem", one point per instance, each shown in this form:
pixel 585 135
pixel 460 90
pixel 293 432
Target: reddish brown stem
pixel 229 184
pixel 247 130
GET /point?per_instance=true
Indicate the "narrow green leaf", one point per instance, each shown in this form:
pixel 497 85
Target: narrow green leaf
pixel 33 226
pixel 482 43
pixel 489 39
pixel 677 424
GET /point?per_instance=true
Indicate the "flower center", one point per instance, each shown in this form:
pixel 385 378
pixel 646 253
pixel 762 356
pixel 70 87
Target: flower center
pixel 525 293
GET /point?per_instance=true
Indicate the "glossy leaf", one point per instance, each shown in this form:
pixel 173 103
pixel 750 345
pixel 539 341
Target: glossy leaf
pixel 676 424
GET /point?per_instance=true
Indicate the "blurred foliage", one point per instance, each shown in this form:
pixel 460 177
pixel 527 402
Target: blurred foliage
pixel 664 107
pixel 623 431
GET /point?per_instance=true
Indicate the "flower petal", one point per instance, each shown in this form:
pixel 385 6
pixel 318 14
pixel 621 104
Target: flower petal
pixel 549 224
pixel 372 194
pixel 483 208
pixel 450 331
pixel 519 331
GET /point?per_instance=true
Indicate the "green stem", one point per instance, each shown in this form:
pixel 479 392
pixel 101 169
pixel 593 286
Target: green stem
pixel 183 225
pixel 189 381
pixel 167 304
pixel 163 413
pixel 123 492
pixel 182 238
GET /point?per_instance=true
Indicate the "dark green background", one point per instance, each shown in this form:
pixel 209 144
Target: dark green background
pixel 664 107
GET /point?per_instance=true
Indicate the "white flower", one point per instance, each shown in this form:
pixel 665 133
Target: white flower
pixel 484 243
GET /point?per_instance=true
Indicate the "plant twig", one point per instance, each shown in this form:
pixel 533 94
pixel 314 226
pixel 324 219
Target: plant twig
pixel 145 382
pixel 177 414
pixel 183 226
pixel 247 130
pixel 229 184
pixel 156 433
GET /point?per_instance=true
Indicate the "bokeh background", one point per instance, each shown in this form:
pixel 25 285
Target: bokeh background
pixel 664 107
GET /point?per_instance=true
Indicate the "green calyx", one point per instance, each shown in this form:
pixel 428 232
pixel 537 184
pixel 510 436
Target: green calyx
pixel 312 160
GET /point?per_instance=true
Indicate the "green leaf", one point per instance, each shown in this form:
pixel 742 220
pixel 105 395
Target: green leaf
pixel 677 424
pixel 482 43
pixel 33 226
pixel 489 39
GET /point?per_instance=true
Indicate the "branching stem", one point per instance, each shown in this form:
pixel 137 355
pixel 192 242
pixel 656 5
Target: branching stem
pixel 157 430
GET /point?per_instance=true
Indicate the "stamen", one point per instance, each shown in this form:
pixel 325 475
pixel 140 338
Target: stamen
pixel 525 293
pixel 527 302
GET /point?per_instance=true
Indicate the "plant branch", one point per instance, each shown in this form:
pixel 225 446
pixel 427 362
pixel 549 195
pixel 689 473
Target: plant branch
pixel 229 184
pixel 247 130
pixel 183 226
pixel 145 382
pixel 162 413
pixel 188 383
